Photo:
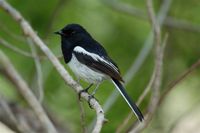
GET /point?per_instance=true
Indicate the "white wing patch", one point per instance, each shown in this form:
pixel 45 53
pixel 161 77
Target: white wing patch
pixel 95 57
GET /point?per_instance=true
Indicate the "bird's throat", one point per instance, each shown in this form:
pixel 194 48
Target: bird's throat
pixel 67 51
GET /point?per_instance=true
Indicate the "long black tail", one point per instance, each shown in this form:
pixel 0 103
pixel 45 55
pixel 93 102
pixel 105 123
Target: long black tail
pixel 131 104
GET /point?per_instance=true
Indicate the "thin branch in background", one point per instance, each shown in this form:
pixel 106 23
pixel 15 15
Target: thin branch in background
pixel 125 8
pixel 139 101
pixel 24 125
pixel 181 24
pixel 144 93
pixel 143 54
pixel 21 52
pixel 158 56
pixel 17 50
pixel 178 80
pixel 25 91
pixel 170 87
pixel 137 127
pixel 137 64
pixel 28 32
pixel 10 115
pixel 159 51
pixel 139 13
pixel 39 78
pixel 7 31
pixel 26 120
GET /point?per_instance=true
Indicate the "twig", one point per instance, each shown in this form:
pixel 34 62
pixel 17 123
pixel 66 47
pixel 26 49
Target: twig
pixel 143 95
pixel 136 65
pixel 181 24
pixel 125 8
pixel 158 56
pixel 21 52
pixel 178 80
pixel 25 91
pixel 9 114
pixel 143 54
pixel 136 12
pixel 10 33
pixel 38 70
pixel 165 93
pixel 17 50
pixel 139 101
pixel 25 117
pixel 158 64
pixel 24 125
pixel 28 31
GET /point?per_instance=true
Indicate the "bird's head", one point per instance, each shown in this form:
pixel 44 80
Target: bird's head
pixel 73 33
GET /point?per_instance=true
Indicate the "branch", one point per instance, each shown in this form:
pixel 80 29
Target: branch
pixel 158 56
pixel 10 33
pixel 39 78
pixel 141 57
pixel 136 65
pixel 24 119
pixel 28 31
pixel 158 74
pixel 22 52
pixel 136 12
pixel 164 94
pixel 172 85
pixel 181 24
pixel 6 110
pixel 17 50
pixel 125 8
pixel 25 91
pixel 139 101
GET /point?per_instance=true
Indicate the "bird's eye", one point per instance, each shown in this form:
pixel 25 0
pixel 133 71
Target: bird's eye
pixel 69 32
pixel 73 32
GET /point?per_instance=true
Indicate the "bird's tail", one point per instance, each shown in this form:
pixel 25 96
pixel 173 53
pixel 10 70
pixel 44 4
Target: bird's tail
pixel 131 104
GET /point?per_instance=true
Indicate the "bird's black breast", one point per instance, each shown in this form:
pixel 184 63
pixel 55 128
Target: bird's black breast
pixel 67 49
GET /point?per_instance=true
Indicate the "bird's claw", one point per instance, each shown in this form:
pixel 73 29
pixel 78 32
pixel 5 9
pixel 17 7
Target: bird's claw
pixel 82 91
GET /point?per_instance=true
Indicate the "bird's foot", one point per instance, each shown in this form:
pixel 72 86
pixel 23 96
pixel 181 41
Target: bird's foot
pixel 84 91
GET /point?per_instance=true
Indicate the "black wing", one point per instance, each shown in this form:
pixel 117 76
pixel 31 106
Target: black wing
pixel 97 63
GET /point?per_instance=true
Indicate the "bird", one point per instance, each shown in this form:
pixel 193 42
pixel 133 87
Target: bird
pixel 89 61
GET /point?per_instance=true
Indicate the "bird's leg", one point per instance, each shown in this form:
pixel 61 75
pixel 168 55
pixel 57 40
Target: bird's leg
pixel 84 90
pixel 96 88
pixel 92 95
pixel 78 80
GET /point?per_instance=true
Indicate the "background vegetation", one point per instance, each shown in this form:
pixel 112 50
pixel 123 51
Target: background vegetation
pixel 123 35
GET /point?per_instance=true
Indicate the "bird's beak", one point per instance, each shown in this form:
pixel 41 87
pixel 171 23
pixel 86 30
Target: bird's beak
pixel 58 32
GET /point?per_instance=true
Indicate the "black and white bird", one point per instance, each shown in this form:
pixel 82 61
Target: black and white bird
pixel 89 61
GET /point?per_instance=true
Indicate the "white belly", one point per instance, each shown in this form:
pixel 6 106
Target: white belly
pixel 82 71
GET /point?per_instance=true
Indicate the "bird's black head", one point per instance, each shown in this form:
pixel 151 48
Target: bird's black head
pixel 73 33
